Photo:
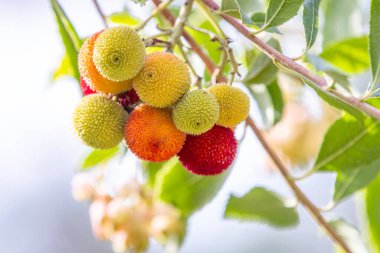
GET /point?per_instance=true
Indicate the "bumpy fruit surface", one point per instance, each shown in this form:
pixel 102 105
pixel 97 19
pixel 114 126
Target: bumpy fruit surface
pixel 119 53
pixel 233 104
pixel 128 99
pixel 163 80
pixel 196 113
pixel 151 134
pixel 91 75
pixel 210 153
pixel 86 90
pixel 99 121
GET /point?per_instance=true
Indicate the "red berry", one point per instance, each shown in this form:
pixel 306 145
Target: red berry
pixel 85 88
pixel 210 153
pixel 129 99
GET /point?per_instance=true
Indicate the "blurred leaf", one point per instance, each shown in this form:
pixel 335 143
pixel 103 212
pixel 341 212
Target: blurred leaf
pixel 372 202
pixel 338 20
pixel 258 20
pixel 277 100
pixel 337 102
pixel 205 42
pixel 261 95
pixel 350 235
pixel 150 169
pixel 280 11
pixel 97 157
pixel 123 18
pixel 262 205
pixel 64 69
pixel 374 40
pixel 348 182
pixel 349 55
pixel 186 191
pixel 350 144
pixel 233 8
pixel 250 6
pixel 310 21
pixel 261 69
pixel 69 36
pixel 322 65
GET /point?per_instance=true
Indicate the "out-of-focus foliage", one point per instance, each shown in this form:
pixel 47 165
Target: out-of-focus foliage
pixel 374 39
pixel 373 212
pixel 186 191
pixel 97 157
pixel 264 206
pixel 70 39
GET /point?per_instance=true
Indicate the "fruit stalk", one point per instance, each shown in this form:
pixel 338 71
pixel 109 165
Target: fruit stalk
pixel 290 64
pixel 302 198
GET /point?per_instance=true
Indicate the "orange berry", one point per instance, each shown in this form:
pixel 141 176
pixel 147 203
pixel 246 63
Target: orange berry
pixel 91 75
pixel 151 135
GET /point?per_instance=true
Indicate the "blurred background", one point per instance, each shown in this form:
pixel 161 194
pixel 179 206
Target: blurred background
pixel 39 152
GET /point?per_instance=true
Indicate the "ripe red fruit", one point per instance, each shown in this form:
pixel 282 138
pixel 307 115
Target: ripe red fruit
pixel 85 88
pixel 210 153
pixel 129 99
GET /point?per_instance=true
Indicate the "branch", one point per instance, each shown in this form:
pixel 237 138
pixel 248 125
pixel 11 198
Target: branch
pixel 290 64
pixel 100 12
pixel 302 198
pixel 180 23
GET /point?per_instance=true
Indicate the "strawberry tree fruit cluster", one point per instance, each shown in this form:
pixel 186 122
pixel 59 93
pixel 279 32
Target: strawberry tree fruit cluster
pixel 147 100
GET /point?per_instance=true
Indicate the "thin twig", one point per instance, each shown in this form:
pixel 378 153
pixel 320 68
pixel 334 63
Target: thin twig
pixel 223 39
pixel 100 12
pixel 157 10
pixel 197 78
pixel 180 23
pixel 289 63
pixel 210 66
pixel 302 198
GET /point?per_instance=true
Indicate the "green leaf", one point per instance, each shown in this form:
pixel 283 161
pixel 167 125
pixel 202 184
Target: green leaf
pixel 69 36
pixel 264 103
pixel 310 21
pixel 205 42
pixel 261 69
pixel 350 55
pixel 280 11
pixel 374 40
pixel 350 144
pixel 372 202
pixel 233 8
pixel 337 75
pixel 186 191
pixel 123 18
pixel 336 101
pixel 64 69
pixel 277 100
pixel 150 169
pixel 350 235
pixel 348 182
pixel 97 157
pixel 262 205
pixel 339 20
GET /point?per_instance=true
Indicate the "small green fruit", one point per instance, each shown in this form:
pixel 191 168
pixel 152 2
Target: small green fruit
pixel 196 112
pixel 99 121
